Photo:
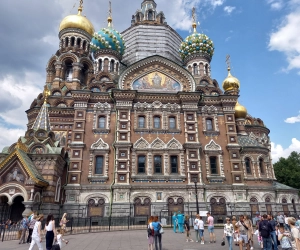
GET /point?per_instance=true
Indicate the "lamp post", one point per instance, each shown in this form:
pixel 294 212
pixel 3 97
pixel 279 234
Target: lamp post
pixel 196 191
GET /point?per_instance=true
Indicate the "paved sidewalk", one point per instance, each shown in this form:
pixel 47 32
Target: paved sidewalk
pixel 131 240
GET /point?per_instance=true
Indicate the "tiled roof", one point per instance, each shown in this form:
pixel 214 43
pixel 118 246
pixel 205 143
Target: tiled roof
pixel 42 120
pixel 278 185
pixel 246 141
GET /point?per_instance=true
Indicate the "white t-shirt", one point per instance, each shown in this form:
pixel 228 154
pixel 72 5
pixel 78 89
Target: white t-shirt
pixel 196 224
pixel 286 220
pixel 201 224
pixel 35 232
pixel 58 238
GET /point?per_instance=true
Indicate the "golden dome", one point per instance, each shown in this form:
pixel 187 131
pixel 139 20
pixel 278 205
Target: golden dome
pixel 77 21
pixel 231 83
pixel 240 111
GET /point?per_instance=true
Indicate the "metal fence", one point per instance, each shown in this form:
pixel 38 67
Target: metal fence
pixel 81 225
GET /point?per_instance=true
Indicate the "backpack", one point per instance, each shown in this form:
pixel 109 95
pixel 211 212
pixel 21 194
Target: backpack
pixel 264 229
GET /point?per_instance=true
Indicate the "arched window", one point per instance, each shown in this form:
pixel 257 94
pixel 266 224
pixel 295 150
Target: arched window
pixel 84 74
pixel 142 164
pixel 157 164
pixel 62 105
pixel 78 42
pixel 56 93
pixel 261 166
pixel 150 15
pixel 112 66
pixel 68 94
pixel 57 191
pixel 67 42
pixel 174 164
pixel 84 45
pixel 99 165
pixel 106 65
pixel 69 71
pixel 213 165
pixel 156 122
pixel 172 123
pixel 138 18
pixel 195 69
pixel 72 41
pixel 141 122
pixel 209 125
pixel 102 122
pixel 95 89
pixel 248 165
pixel 206 69
pixel 117 67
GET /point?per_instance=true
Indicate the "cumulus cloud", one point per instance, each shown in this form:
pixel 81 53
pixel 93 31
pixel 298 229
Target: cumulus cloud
pixel 276 4
pixel 229 9
pixel 278 151
pixel 9 136
pixel 286 37
pixel 293 119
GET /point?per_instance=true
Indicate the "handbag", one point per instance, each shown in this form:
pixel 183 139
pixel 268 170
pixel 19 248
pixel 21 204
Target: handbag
pixel 161 230
pixel 223 243
pixel 55 246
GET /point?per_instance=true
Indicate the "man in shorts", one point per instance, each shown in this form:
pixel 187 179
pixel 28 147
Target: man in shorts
pixel 242 232
pixel 210 228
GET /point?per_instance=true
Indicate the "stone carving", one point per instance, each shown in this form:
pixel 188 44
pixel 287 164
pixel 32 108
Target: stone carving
pixel 212 146
pixel 157 144
pixel 102 106
pixel 141 144
pixel 100 144
pixel 174 144
pixel 38 150
pixel 15 175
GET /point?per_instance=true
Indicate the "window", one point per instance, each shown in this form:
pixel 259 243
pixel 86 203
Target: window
pixel 213 165
pixel 194 178
pixel 141 162
pixel 193 166
pixel 156 122
pixel 122 177
pixel 191 137
pixel 195 69
pixel 209 126
pixel 172 123
pixel 157 164
pixel 141 122
pixel 261 166
pixel 112 66
pixel 174 164
pixel 57 191
pixel 248 165
pixel 101 122
pixel 69 71
pixel 122 154
pixel 190 117
pixel 123 125
pixel 99 165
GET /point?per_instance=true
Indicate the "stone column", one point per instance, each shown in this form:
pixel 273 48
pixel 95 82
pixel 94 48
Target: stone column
pixel 28 208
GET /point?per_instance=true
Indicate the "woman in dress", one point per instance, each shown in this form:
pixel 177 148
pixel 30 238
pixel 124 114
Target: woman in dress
pixel 50 231
pixel 150 233
pixel 228 232
pixel 36 237
pixel 63 223
pixel 157 235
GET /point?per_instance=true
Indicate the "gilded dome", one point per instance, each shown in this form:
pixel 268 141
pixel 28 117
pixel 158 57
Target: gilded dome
pixel 231 83
pixel 197 43
pixel 108 38
pixel 240 111
pixel 77 21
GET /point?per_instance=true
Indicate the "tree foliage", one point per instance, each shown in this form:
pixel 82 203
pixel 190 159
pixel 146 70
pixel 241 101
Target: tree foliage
pixel 287 170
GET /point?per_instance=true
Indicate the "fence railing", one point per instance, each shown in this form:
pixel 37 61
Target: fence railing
pixel 81 225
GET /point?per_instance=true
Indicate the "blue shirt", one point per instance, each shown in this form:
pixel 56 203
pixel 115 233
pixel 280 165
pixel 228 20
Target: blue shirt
pixel 156 226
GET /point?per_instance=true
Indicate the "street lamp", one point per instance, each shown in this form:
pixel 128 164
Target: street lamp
pixel 196 191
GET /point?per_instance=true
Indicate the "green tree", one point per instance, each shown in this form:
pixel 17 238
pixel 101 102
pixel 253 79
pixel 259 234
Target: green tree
pixel 287 170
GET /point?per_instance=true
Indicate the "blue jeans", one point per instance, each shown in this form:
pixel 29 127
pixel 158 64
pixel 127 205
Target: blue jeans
pixel 229 239
pixel 274 239
pixel 267 243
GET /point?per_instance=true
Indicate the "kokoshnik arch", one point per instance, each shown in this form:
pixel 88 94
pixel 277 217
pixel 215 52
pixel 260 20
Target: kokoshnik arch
pixel 127 124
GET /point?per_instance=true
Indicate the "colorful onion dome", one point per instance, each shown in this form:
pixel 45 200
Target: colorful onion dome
pixel 240 111
pixel 197 43
pixel 230 82
pixel 77 21
pixel 108 38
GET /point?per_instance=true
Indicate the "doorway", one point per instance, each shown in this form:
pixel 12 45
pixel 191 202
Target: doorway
pixel 17 208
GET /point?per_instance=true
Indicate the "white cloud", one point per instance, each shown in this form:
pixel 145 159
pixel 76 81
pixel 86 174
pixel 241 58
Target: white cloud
pixel 278 151
pixel 286 38
pixel 229 9
pixel 293 119
pixel 8 136
pixel 276 4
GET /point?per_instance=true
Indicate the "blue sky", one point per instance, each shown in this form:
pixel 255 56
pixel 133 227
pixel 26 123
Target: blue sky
pixel 261 36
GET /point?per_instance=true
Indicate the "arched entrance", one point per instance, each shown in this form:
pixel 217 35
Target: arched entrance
pixel 142 209
pixel 175 206
pixel 254 206
pixel 285 207
pixel 268 205
pixel 218 208
pixel 4 208
pixel 17 208
pixel 96 207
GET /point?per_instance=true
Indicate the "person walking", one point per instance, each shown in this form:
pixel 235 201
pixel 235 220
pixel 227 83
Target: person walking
pixel 228 232
pixel 235 234
pixel 265 229
pixel 157 235
pixel 30 228
pixel 180 219
pixel 50 231
pixel 210 228
pixel 242 233
pixel 295 232
pixel 273 234
pixel 150 233
pixel 23 227
pixel 280 219
pixel 36 233
pixel 187 229
pixel 63 224
pixel 60 239
pixel 286 239
pixel 175 222
pixel 201 229
pixel 248 223
pixel 196 228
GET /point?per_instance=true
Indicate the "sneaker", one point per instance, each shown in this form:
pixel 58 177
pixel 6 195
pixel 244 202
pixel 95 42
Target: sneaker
pixel 251 248
pixel 192 240
pixel 187 240
pixel 202 242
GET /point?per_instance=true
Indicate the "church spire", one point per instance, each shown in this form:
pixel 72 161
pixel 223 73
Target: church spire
pixel 42 120
pixel 109 19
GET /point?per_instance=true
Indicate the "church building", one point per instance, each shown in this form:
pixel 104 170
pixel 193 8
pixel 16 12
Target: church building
pixel 133 124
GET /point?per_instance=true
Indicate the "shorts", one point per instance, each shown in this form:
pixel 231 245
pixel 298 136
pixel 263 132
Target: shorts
pixel 187 233
pixel 210 229
pixel 243 238
pixel 201 232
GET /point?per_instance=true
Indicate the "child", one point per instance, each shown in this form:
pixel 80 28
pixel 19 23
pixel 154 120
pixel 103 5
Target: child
pixel 259 239
pixel 59 238
pixel 187 229
pixel 201 229
pixel 286 239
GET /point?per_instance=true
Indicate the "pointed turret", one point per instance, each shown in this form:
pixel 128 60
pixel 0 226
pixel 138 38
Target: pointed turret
pixel 42 120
